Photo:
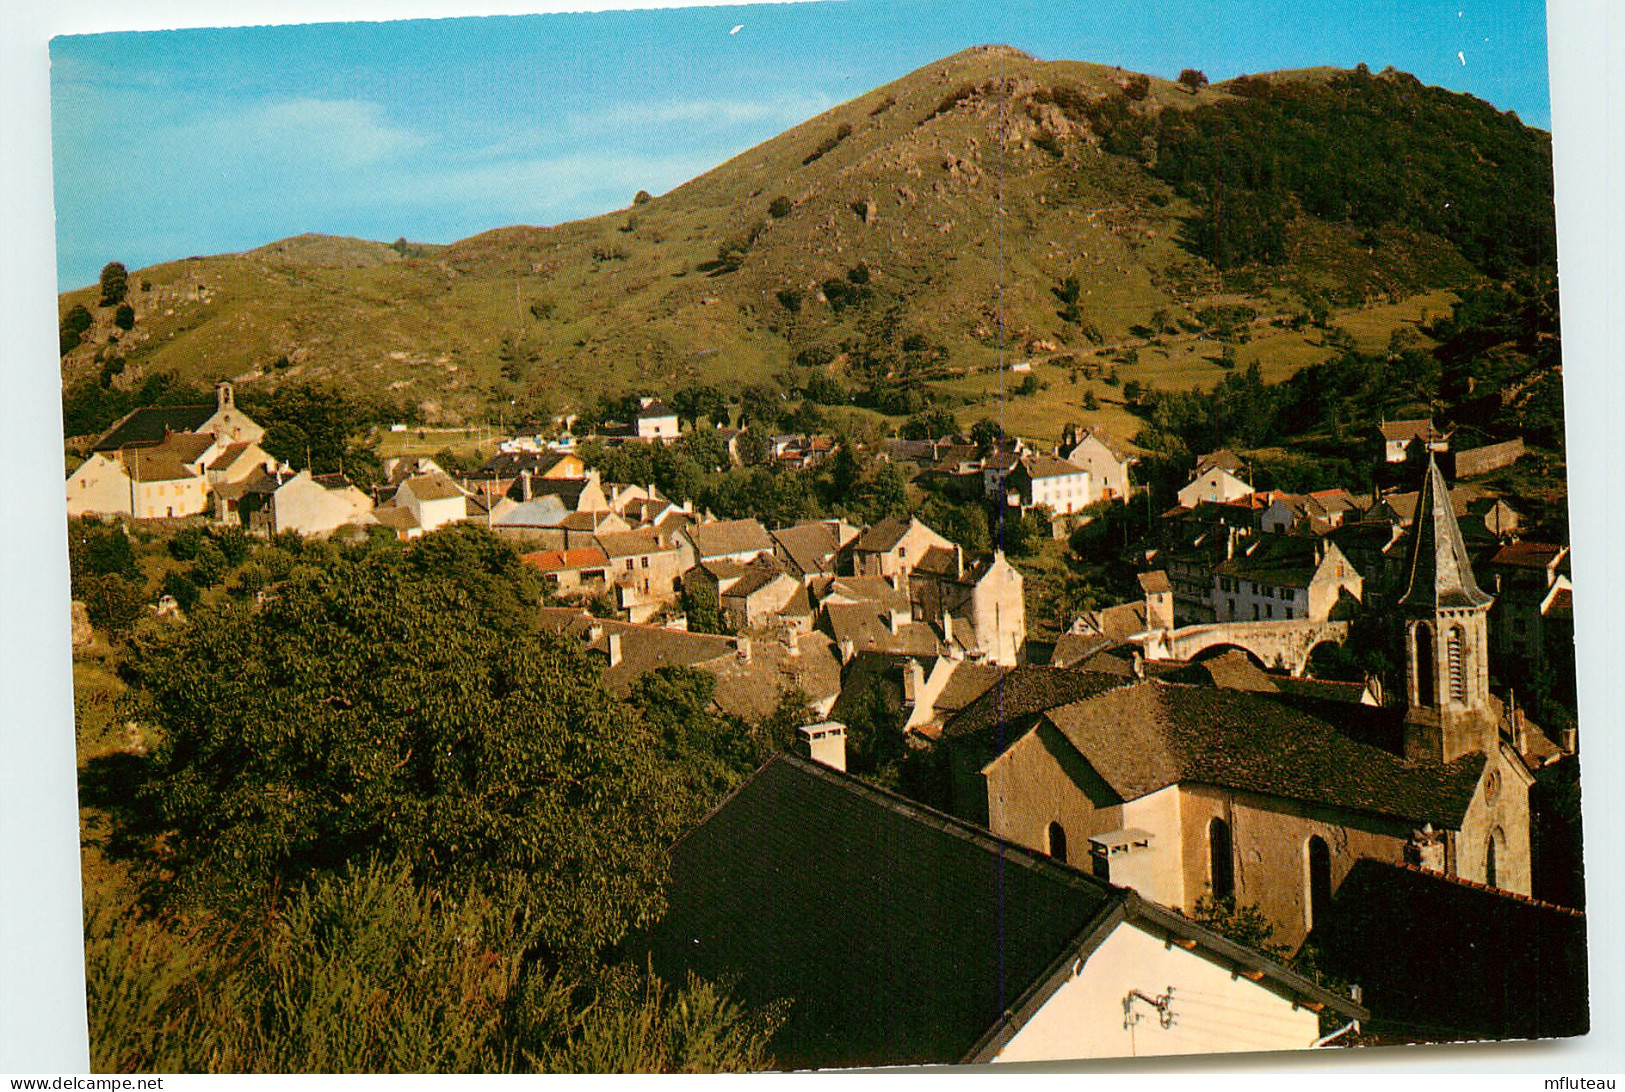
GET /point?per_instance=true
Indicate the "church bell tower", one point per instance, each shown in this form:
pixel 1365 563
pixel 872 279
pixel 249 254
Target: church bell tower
pixel 1447 674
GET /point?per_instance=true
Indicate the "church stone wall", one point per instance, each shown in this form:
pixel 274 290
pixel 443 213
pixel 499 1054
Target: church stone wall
pixel 1270 850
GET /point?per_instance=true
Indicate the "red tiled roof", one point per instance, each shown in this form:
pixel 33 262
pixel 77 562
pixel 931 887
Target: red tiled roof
pixel 576 557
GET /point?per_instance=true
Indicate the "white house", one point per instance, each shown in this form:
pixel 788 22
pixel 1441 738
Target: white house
pixel 655 421
pixel 1043 479
pixel 1106 463
pixel 1215 484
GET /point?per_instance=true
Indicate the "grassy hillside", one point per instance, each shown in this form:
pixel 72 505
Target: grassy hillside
pixel 985 209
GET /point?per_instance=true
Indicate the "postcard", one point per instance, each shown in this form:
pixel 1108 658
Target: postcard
pixel 818 536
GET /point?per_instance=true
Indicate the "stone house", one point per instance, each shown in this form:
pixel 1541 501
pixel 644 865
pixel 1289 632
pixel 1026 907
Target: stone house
pixel 1105 460
pixel 1215 484
pixel 738 540
pixel 655 421
pixel 307 504
pixel 1531 583
pixel 584 568
pixel 1064 487
pixel 811 549
pixel 907 937
pixel 433 500
pixel 892 547
pixel 643 570
pixel 984 597
pixel 1393 439
pixel 159 480
pixel 1283 577
pixel 757 594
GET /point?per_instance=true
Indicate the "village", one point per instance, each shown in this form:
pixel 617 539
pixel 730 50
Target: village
pixel 1211 751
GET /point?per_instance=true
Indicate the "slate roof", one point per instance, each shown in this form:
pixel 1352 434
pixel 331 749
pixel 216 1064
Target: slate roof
pixel 1438 572
pixel 864 624
pixel 567 490
pixel 508 464
pixel 1155 583
pixel 1070 648
pixel 1528 555
pixel 1223 459
pixel 643 648
pixel 1444 958
pixel 1117 622
pixel 1024 691
pixel 1153 734
pixel 902 935
pixel 758 575
pixel 1048 466
pixel 430 487
pixel 228 455
pixel 809 547
pixel 630 543
pixel 1411 429
pixel 883 536
pixel 547 511
pixel 732 536
pixel 655 409
pixel 148 425
pixel 167 461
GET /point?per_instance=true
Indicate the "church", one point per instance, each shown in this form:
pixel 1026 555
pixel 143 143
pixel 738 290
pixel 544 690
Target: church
pixel 1187 792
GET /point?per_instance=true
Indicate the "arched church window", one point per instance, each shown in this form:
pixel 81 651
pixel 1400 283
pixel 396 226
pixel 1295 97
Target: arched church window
pixel 1424 666
pixel 1221 860
pixel 1320 880
pixel 1056 837
pixel 1490 877
pixel 1455 657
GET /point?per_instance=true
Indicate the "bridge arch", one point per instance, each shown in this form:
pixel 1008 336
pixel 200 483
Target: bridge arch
pixel 1280 645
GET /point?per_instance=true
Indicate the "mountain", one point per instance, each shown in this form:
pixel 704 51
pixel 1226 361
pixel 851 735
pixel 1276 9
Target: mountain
pixel 987 208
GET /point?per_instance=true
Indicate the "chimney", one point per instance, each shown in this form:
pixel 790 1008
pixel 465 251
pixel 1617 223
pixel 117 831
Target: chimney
pixel 947 627
pixel 1426 849
pixel 1137 665
pixel 913 683
pixel 896 620
pixel 848 650
pixel 524 480
pixel 959 562
pixel 594 631
pixel 1571 741
pixel 742 648
pixel 614 649
pixel 824 742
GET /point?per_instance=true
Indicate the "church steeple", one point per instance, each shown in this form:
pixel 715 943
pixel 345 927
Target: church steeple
pixel 1451 711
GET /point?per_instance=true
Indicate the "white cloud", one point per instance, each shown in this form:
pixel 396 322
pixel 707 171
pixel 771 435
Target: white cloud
pixel 780 111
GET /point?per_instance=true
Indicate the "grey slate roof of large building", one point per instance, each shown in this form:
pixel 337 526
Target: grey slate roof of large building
pixel 148 425
pixel 900 934
pixel 1153 734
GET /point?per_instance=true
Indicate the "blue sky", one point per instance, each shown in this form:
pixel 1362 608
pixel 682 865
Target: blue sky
pixel 184 142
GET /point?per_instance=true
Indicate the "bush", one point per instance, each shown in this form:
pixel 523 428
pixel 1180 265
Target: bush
pixel 780 207
pixel 124 317
pixel 641 197
pixel 1193 80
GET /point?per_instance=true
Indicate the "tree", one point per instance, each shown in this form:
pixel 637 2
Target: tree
pixel 930 424
pixel 985 433
pixel 74 324
pixel 780 207
pixel 641 197
pixel 124 317
pixel 114 283
pixel 406 703
pixel 1090 402
pixel 1193 80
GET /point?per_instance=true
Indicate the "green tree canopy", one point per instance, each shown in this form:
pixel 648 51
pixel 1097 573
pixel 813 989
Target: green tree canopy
pixel 404 703
pixel 114 283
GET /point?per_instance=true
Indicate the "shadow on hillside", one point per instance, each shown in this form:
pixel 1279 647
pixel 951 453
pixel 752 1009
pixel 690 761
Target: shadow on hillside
pixel 112 783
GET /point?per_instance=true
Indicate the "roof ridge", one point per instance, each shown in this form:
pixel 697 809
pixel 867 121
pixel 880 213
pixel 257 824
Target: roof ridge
pixel 948 824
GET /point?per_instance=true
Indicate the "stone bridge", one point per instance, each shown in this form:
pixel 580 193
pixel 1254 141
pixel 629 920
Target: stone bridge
pixel 1281 645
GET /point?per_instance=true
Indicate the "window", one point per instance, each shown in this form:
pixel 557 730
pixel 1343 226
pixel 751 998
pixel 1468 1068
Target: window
pixel 1221 862
pixel 1320 880
pixel 1490 878
pixel 1056 838
pixel 1424 666
pixel 1455 658
pixel 645 562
